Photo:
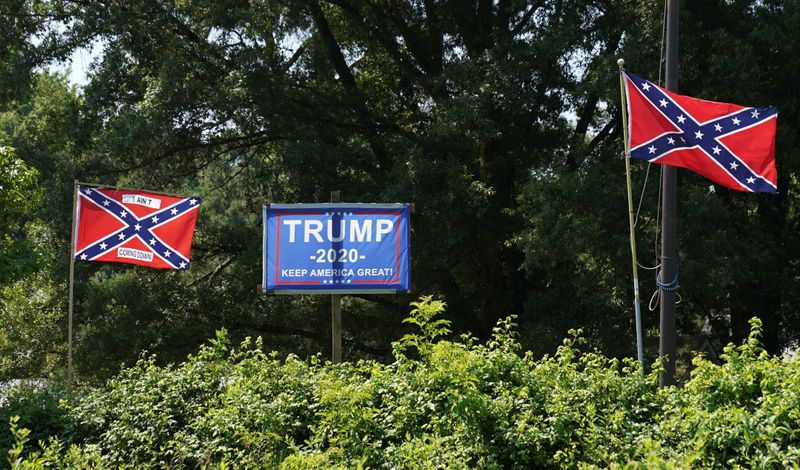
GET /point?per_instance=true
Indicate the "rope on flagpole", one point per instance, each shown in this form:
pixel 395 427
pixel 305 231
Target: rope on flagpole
pixel 641 195
pixel 661 50
pixel 656 298
pixel 638 211
pixel 672 285
pixel 658 215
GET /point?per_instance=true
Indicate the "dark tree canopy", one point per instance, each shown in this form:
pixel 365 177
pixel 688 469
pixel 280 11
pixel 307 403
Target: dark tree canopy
pixel 499 119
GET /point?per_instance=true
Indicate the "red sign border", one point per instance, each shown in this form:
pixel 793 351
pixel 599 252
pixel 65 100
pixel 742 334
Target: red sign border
pixel 396 279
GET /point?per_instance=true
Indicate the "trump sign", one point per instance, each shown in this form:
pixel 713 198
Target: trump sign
pixel 336 248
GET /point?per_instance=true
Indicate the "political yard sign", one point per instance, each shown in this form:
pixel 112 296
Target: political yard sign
pixel 336 248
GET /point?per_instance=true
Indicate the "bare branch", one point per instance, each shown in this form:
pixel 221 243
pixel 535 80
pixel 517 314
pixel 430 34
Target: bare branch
pixel 332 46
pixel 210 276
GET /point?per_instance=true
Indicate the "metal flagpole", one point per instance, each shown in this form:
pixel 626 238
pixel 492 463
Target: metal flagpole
pixel 636 300
pixel 71 279
pixel 668 277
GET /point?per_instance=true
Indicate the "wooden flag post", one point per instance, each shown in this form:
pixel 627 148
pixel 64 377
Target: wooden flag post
pixel 73 243
pixel 667 348
pixel 336 312
pixel 70 373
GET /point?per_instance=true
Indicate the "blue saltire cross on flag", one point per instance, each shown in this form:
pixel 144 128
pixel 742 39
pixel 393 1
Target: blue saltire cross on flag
pixel 732 145
pixel 133 226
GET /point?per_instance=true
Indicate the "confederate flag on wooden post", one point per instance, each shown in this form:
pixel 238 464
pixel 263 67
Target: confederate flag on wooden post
pixel 133 226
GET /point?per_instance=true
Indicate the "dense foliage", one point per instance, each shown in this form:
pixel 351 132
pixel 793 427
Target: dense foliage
pixel 439 404
pixel 498 119
pixel 18 198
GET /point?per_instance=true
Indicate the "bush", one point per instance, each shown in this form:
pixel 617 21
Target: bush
pixel 440 404
pixel 35 406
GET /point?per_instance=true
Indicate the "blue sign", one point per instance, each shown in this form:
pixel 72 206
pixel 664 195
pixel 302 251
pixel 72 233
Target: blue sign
pixel 336 248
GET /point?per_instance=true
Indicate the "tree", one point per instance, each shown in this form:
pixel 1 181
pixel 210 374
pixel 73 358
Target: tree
pixel 737 250
pixel 284 101
pixel 34 218
pixel 18 195
pixel 499 119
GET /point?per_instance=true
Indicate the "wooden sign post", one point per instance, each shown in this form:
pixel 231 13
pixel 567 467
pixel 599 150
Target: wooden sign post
pixel 336 312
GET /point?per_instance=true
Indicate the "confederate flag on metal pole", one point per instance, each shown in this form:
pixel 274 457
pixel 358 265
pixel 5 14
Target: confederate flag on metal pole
pixel 732 145
pixel 133 226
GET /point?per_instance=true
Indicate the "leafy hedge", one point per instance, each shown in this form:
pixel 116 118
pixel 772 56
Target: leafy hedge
pixel 441 404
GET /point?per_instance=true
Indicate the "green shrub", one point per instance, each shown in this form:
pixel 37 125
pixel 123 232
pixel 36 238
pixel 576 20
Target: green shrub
pixel 35 406
pixel 52 454
pixel 440 404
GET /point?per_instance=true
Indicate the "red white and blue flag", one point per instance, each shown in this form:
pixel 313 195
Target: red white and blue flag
pixel 136 227
pixel 732 145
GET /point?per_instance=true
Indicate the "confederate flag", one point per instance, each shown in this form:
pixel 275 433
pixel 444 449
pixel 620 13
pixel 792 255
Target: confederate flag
pixel 732 145
pixel 136 227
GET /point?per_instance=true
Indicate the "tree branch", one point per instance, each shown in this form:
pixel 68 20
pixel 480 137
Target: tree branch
pixel 610 129
pixel 210 275
pixel 332 46
pixel 524 20
pixel 238 142
pixel 391 47
pixel 296 56
pixel 585 116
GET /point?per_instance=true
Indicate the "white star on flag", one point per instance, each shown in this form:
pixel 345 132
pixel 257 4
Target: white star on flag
pixel 110 221
pixel 687 132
